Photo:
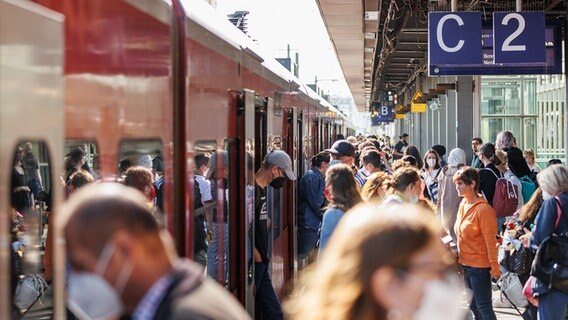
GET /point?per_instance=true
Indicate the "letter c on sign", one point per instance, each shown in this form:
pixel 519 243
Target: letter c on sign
pixel 440 37
pixel 384 110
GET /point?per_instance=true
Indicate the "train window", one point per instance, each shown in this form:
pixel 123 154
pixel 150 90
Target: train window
pixel 140 165
pixel 30 247
pixel 80 155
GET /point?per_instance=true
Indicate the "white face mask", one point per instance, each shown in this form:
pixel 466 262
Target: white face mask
pixel 442 300
pixel 431 163
pixel 546 195
pixel 91 296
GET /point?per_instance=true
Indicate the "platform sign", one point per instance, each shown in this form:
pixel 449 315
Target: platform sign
pixel 518 37
pixel 399 116
pixel 417 104
pixel 513 63
pixel 454 38
pixel 386 113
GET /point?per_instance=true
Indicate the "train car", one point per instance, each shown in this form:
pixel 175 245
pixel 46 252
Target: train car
pixel 169 81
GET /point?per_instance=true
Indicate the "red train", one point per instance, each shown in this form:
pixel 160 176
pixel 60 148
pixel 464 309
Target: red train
pixel 170 79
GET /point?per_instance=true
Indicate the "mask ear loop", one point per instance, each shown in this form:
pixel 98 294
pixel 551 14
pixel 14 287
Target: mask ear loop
pixel 123 277
pixel 104 259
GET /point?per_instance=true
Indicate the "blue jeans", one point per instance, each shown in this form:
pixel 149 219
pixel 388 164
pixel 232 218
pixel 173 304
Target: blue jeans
pixel 552 305
pixel 479 281
pixel 267 304
pixel 307 239
pixel 213 253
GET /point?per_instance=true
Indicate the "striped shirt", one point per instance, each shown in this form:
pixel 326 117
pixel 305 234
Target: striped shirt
pixel 147 307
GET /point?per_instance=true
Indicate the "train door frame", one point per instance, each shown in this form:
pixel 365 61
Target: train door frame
pixel 43 111
pixel 291 200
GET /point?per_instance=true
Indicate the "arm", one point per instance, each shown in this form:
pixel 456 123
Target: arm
pixel 39 179
pixel 544 222
pixel 314 194
pixel 489 231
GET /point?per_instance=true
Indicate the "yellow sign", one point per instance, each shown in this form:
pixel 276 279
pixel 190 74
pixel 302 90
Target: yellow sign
pixel 399 116
pixel 417 105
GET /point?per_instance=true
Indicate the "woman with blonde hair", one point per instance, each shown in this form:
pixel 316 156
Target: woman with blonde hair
pixel 375 189
pixel 405 186
pixel 553 181
pixel 410 277
pixel 343 194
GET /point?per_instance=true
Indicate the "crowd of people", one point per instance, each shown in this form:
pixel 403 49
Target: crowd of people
pixel 385 232
pixel 365 200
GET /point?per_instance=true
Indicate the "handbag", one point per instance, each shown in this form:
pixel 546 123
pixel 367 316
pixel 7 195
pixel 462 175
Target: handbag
pixel 520 261
pixel 551 260
pixel 512 289
pixel 30 288
pixel 528 291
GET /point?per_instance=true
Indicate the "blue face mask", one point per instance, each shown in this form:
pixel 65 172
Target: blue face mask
pixel 334 162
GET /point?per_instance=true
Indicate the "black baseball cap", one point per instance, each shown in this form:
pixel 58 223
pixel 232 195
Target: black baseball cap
pixel 342 148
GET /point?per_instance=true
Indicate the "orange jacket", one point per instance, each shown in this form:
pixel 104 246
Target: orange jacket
pixel 476 228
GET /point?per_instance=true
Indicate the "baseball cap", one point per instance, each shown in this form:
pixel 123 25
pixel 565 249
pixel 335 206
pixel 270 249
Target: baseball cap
pixel 342 148
pixel 282 160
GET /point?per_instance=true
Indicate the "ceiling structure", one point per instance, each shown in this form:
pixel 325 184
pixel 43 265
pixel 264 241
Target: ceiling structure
pixel 383 45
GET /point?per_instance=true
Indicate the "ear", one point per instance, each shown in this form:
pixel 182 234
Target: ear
pixel 124 242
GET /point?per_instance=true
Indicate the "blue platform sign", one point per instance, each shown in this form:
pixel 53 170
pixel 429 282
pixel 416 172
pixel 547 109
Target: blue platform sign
pixel 519 37
pixel 386 114
pixel 454 38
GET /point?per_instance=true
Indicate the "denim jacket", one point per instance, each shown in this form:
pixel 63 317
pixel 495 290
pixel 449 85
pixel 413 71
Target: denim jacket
pixel 311 201
pixel 544 227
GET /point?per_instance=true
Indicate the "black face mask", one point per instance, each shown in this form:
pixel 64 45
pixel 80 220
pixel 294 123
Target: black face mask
pixel 278 182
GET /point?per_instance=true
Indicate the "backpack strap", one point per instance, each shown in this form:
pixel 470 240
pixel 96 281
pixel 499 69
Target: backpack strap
pixel 558 213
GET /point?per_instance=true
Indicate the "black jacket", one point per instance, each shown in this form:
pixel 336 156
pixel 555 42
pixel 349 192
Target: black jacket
pixel 487 181
pixel 517 162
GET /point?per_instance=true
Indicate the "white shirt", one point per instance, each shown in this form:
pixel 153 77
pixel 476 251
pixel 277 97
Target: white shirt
pixel 204 187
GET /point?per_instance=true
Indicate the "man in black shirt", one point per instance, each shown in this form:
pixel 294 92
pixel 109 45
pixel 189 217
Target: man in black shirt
pixel 274 170
pixel 399 147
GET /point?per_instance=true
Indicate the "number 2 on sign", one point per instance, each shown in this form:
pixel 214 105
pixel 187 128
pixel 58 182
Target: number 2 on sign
pixel 507 43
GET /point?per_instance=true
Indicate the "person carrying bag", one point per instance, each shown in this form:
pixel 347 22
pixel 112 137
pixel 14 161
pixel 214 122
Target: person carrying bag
pixel 549 239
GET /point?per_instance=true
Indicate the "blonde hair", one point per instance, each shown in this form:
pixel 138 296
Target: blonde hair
pixel 502 156
pixel 376 181
pixel 554 179
pixel 339 287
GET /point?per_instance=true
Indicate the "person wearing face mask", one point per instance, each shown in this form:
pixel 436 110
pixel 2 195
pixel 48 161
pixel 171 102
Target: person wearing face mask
pixel 371 163
pixel 405 187
pixel 553 181
pixel 448 199
pixel 382 263
pixel 311 203
pixel 343 195
pixel 476 233
pixel 342 152
pixel 275 169
pixel 431 173
pixel 123 263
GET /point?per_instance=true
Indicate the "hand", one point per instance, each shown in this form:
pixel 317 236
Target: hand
pixel 525 238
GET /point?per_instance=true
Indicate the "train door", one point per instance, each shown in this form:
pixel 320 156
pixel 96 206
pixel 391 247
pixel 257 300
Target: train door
pixel 31 137
pixel 292 146
pixel 244 155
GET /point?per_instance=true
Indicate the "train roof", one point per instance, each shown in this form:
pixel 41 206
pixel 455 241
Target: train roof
pixel 203 14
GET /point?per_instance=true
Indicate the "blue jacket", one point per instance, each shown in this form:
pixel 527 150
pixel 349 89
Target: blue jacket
pixel 331 218
pixel 544 227
pixel 311 201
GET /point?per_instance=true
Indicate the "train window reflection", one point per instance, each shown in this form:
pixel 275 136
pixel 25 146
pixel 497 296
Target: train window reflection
pixel 141 166
pixel 80 155
pixel 31 266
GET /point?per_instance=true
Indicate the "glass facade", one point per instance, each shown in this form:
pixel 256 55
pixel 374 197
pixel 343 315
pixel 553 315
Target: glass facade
pixel 509 104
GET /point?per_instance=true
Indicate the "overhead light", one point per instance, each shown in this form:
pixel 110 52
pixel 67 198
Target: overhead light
pixel 369 35
pixel 371 15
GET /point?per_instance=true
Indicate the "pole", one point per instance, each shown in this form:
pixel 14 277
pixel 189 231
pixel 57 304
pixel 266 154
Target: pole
pixel 519 6
pixel 454 5
pixel 565 86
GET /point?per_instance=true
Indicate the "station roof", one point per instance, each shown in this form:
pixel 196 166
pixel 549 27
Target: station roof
pixel 382 45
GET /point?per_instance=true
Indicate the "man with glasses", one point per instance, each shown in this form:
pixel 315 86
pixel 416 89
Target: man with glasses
pixel 274 170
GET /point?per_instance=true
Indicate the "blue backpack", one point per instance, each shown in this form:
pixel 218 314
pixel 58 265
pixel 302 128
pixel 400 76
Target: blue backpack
pixel 529 187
